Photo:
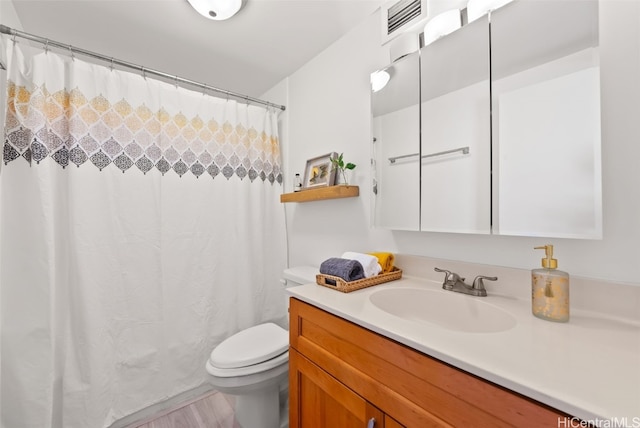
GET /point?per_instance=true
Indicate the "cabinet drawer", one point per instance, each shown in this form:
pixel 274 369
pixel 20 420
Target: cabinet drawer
pixel 412 388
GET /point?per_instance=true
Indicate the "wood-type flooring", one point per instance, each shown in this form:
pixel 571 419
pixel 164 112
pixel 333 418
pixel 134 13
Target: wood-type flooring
pixel 213 410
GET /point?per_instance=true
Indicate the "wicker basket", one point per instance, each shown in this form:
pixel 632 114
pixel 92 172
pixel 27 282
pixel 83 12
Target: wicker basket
pixel 337 283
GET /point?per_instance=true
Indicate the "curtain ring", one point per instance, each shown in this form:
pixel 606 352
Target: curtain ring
pixel 204 90
pixel 71 52
pixel 46 46
pixel 111 67
pixel 176 81
pixel 144 73
pixel 14 39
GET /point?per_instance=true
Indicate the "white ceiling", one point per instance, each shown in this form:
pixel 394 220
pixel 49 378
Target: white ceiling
pixel 265 42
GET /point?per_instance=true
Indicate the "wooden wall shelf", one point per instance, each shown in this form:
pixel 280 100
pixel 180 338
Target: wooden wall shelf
pixel 331 192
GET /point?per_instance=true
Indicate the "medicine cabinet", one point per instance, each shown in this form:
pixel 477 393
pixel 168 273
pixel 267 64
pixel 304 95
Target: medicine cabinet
pixel 396 125
pixel 504 137
pixel 455 190
pixel 546 119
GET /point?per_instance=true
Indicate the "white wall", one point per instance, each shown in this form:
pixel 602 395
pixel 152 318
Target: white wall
pixel 328 109
pixel 9 15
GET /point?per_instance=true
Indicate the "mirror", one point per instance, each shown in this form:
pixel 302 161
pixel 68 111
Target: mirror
pixel 546 119
pixel 396 125
pixel 455 186
pixel 506 127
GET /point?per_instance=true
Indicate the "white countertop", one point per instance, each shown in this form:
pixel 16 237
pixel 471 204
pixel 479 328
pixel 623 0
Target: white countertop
pixel 588 367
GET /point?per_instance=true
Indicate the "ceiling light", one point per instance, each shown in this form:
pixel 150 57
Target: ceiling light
pixel 379 80
pixel 216 9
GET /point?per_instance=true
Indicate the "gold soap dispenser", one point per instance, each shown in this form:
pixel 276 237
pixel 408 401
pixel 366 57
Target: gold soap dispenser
pixel 550 289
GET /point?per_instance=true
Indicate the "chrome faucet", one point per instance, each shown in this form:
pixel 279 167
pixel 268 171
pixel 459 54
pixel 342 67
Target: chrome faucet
pixel 453 282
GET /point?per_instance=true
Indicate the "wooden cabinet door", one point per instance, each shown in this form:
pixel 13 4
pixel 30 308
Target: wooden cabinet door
pixel 389 422
pixel 318 400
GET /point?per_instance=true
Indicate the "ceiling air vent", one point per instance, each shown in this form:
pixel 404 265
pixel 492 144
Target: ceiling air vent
pixel 399 15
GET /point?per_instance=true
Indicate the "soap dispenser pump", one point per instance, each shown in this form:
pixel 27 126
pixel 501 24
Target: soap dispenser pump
pixel 550 289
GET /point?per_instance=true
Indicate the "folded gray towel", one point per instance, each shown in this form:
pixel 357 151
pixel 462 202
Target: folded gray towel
pixel 349 270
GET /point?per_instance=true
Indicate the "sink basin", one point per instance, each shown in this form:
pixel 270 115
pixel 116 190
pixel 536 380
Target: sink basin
pixel 447 309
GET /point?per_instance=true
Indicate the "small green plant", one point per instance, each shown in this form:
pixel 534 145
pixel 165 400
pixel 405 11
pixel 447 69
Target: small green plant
pixel 340 165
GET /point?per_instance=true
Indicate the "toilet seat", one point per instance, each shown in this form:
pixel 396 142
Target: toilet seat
pixel 256 349
pixel 280 360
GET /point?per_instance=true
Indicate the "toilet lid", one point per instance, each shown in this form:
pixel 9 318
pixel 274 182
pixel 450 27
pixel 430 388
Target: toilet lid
pixel 251 346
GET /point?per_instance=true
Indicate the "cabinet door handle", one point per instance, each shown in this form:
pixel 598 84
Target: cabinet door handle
pixel 371 423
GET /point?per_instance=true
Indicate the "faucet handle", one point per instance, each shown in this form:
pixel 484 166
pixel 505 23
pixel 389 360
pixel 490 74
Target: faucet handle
pixel 450 277
pixel 478 283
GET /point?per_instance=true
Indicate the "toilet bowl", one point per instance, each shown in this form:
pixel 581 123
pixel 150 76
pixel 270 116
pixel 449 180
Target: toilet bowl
pixel 253 365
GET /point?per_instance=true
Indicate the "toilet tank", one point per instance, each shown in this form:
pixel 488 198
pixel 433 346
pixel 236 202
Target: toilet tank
pixel 295 276
pixel 299 275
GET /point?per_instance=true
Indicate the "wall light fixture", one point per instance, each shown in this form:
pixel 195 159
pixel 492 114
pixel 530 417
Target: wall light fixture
pixel 441 25
pixel 477 8
pixel 379 80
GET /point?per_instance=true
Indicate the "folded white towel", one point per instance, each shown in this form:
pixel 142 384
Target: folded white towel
pixel 369 263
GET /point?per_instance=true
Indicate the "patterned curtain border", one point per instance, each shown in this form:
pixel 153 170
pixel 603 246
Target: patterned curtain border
pixel 71 129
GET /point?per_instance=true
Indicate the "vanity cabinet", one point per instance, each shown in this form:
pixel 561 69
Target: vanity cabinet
pixel 343 375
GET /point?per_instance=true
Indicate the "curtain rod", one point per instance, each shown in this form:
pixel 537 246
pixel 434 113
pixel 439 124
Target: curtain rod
pixel 145 71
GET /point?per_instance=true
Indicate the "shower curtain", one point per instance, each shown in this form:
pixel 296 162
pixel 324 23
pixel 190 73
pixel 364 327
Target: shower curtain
pixel 139 226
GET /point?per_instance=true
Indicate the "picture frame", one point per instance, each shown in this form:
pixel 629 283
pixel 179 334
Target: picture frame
pixel 319 172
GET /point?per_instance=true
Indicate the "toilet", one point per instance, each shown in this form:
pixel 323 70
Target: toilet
pixel 253 366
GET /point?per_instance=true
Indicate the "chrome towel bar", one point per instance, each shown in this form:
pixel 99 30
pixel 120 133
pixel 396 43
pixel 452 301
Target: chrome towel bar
pixel 464 150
